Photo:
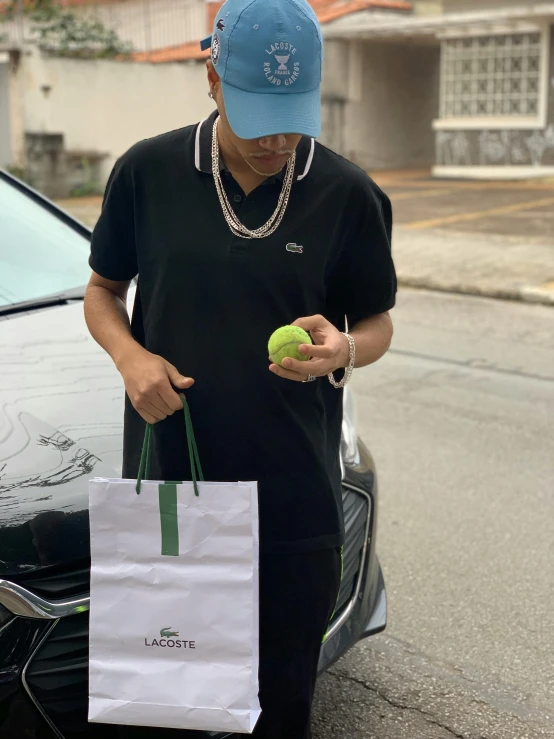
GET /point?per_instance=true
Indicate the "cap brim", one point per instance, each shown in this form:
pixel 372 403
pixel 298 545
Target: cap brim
pixel 253 115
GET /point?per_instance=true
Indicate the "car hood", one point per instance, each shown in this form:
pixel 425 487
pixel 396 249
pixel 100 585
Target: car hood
pixel 61 414
pixel 61 422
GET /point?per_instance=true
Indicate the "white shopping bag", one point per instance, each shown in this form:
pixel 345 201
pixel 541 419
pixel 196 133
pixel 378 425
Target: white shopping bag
pixel 174 602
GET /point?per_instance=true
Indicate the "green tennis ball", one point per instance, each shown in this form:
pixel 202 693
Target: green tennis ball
pixel 285 342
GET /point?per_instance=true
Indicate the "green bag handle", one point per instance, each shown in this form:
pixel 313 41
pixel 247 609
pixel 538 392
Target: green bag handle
pixel 146 454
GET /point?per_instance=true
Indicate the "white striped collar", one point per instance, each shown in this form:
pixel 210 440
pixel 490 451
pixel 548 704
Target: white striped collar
pixel 203 150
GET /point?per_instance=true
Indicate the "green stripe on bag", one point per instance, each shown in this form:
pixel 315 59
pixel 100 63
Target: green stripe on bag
pixel 168 516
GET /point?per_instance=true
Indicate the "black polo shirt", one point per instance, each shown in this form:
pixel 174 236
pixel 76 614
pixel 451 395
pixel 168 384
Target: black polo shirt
pixel 208 302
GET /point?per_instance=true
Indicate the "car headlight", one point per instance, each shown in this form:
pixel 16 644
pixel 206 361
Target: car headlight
pixel 350 452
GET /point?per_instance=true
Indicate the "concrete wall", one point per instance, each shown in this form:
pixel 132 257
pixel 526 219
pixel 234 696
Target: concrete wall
pixel 5 138
pixel 380 115
pixel 502 148
pixel 455 6
pixel 103 107
pixel 378 104
pixel 428 7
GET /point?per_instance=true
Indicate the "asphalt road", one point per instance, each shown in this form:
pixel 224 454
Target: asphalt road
pixel 514 208
pixel 459 417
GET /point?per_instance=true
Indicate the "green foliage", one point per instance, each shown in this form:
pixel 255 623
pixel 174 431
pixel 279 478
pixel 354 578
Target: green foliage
pixel 20 173
pixel 71 34
pixel 68 33
pixel 85 190
pixel 88 185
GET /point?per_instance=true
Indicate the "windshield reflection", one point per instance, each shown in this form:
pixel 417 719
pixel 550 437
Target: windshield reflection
pixel 40 255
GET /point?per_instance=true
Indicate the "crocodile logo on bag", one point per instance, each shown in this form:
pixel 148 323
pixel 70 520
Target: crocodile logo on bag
pixel 167 633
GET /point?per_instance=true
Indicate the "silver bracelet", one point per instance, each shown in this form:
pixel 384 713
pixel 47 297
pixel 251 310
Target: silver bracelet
pixel 348 370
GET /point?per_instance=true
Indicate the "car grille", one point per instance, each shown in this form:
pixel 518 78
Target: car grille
pixel 356 511
pixel 59 582
pixel 57 679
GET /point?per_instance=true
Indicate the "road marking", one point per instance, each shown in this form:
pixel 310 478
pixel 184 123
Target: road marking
pixel 461 217
pixel 471 186
pixel 538 184
pixel 417 194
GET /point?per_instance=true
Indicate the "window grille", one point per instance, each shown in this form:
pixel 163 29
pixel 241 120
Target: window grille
pixel 493 75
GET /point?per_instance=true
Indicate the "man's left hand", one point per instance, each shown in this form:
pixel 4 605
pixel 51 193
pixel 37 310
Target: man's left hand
pixel 329 351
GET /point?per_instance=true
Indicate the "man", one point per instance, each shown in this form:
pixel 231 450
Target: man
pixel 237 226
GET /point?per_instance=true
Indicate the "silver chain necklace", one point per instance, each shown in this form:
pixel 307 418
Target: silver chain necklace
pixel 232 221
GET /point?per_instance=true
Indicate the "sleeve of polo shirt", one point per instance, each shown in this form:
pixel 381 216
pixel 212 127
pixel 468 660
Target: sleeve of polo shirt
pixel 363 283
pixel 113 252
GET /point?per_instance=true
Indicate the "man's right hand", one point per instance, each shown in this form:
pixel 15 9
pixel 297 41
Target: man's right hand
pixel 149 381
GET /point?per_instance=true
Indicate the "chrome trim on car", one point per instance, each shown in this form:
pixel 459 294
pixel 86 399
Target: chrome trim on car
pixel 345 615
pixel 24 603
pixel 25 684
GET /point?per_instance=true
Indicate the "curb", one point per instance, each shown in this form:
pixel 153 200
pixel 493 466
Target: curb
pixel 538 294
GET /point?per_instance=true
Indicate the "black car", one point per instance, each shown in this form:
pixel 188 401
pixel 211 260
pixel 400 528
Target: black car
pixel 61 409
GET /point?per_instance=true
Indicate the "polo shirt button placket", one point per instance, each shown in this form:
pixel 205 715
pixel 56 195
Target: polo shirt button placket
pixel 239 247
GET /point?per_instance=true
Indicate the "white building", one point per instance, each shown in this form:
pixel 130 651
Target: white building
pixel 469 91
pixel 465 87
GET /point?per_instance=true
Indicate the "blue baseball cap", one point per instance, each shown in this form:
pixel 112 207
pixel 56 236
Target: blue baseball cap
pixel 268 55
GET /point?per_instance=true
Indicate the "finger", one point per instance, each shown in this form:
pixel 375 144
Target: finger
pixel 170 398
pixel 159 404
pixel 176 378
pixel 287 374
pixel 147 417
pixel 149 399
pixel 304 368
pixel 321 351
pixel 148 407
pixel 311 323
pixel 286 364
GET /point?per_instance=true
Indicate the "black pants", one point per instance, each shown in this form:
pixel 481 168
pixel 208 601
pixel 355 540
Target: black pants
pixel 298 593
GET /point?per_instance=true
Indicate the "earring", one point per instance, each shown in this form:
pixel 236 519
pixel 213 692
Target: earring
pixel 211 95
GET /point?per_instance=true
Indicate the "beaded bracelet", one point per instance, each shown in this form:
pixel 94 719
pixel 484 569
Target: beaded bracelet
pixel 348 370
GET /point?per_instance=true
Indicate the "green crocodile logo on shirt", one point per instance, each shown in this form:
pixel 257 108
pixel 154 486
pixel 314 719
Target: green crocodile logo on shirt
pixel 295 248
pixel 167 633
